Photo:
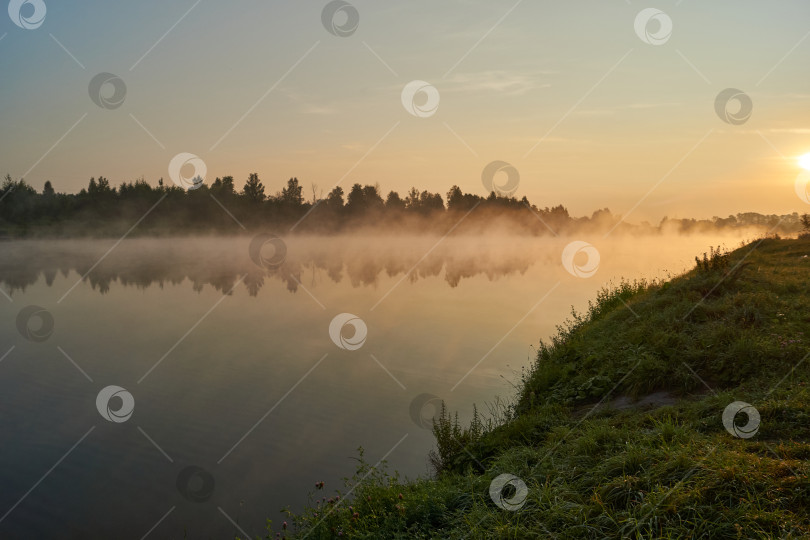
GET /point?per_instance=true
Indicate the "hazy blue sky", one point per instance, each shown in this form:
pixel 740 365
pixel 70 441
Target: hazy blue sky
pixel 615 114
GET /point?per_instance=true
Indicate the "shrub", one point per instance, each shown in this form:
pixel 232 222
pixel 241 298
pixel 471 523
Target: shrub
pixel 452 440
pixel 714 260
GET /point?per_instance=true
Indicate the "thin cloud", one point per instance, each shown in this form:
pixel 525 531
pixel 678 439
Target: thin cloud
pixel 611 111
pixel 784 131
pixel 319 110
pixel 791 131
pixel 502 82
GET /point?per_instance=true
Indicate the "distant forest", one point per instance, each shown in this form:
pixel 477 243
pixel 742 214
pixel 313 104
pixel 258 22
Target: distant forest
pixel 168 210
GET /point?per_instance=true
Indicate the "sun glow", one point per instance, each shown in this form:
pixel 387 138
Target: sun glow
pixel 804 162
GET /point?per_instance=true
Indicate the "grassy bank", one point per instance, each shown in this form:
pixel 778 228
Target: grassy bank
pixel 596 463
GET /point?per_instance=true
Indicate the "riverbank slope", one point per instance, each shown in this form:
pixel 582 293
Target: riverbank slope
pixel 625 425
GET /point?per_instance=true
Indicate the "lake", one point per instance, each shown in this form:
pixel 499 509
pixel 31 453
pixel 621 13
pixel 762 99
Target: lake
pixel 196 386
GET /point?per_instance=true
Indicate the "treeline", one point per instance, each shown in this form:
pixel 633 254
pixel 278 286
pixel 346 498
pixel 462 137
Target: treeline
pixel 104 210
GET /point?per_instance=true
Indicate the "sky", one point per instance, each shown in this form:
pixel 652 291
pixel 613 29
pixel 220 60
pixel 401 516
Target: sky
pixel 593 107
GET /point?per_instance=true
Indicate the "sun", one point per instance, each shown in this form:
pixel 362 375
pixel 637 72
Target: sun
pixel 804 162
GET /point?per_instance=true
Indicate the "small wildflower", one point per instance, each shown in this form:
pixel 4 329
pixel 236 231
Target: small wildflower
pixel 400 495
pixel 284 525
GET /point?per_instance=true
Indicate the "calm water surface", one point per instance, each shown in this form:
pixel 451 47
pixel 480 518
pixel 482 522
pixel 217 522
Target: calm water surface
pixel 242 401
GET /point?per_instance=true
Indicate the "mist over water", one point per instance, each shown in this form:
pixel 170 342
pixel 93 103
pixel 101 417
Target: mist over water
pixel 233 370
pixel 312 261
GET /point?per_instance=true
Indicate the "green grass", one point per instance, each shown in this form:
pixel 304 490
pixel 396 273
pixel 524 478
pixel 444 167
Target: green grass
pixel 737 322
